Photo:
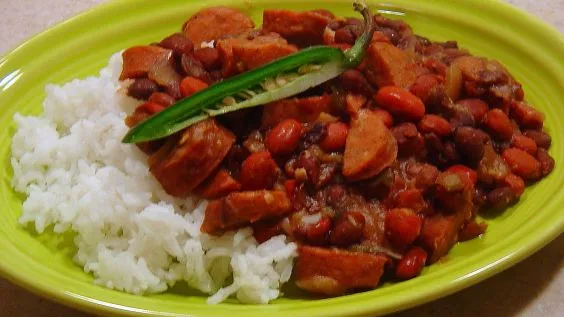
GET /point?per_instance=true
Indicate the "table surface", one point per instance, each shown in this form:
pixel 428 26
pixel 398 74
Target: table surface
pixel 534 287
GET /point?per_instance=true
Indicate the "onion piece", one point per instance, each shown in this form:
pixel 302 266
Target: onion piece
pixel 311 219
pixel 453 84
pixel 375 249
pixel 163 73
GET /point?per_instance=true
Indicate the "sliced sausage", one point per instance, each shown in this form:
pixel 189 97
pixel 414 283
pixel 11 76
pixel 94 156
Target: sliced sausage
pixel 243 208
pixel 370 147
pixel 439 233
pixel 302 28
pixel 219 185
pixel 333 272
pixel 212 23
pixel 388 65
pixel 185 162
pixel 138 60
pixel 240 54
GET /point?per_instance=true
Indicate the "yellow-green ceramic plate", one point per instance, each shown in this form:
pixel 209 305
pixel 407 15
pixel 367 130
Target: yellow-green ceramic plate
pixel 532 51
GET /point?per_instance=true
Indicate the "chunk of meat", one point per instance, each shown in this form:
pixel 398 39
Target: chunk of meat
pixel 470 66
pixel 439 234
pixel 302 109
pixel 387 65
pixel 241 54
pixel 302 28
pixel 164 73
pixel 213 23
pixel 333 272
pixel 243 208
pixel 258 171
pixel 492 168
pixel 138 60
pixel 219 185
pixel 370 147
pixel 186 161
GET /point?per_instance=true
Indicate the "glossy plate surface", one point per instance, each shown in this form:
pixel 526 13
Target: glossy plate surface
pixel 532 51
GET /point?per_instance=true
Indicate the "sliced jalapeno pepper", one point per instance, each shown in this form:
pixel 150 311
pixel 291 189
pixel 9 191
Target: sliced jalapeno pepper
pixel 277 80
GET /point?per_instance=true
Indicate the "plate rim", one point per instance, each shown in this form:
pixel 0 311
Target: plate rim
pixel 98 307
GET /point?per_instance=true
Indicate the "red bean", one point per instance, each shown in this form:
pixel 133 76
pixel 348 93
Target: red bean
pixel 142 88
pixel 522 163
pixel 317 233
pixel 411 264
pixel 524 143
pixel 410 141
pixel 542 139
pixel 423 174
pixel 191 85
pixel 431 123
pixel 468 175
pixel 424 86
pixel 501 198
pixel 310 163
pixel 412 199
pixel 403 226
pixel 209 57
pixel 400 102
pixel 527 116
pixel 385 116
pixel 354 81
pixel 477 108
pixel 436 66
pixel 336 137
pixel 516 183
pixel 345 36
pixel 258 171
pixel 546 162
pixel 439 152
pixel 162 99
pixel 499 124
pixel 348 229
pixel 335 193
pixel 178 43
pixel 283 139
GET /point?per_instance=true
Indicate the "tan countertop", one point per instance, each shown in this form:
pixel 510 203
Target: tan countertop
pixel 535 287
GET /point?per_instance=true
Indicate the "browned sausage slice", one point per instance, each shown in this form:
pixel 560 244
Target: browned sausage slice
pixel 389 65
pixel 243 208
pixel 213 23
pixel 302 28
pixel 185 162
pixel 333 272
pixel 370 147
pixel 303 109
pixel 439 233
pixel 243 53
pixel 138 60
pixel 219 185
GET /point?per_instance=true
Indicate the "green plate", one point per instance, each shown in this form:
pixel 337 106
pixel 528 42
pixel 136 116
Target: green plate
pixel 531 50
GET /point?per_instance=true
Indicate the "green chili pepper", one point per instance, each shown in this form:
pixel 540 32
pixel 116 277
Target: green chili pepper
pixel 277 80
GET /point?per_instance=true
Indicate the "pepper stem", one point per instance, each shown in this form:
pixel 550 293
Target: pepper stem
pixel 354 55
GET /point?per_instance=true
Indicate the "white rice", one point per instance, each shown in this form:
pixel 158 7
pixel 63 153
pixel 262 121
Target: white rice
pixel 130 234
